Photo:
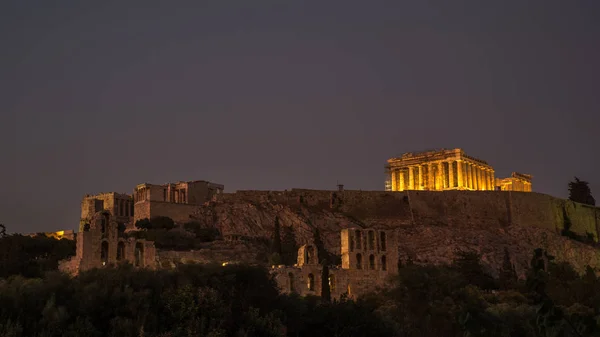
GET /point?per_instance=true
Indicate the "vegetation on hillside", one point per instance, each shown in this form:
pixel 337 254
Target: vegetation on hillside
pixel 579 191
pixel 163 232
pixel 459 299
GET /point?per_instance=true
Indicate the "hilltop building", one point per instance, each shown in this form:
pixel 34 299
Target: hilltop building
pixel 175 200
pixel 441 170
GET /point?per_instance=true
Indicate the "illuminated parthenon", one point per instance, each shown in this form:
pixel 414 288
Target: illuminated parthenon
pixel 439 170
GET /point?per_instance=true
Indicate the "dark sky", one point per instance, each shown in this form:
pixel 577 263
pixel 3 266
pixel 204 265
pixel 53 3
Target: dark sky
pixel 284 94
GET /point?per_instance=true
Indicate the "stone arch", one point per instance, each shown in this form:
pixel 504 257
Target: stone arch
pixel 311 282
pixel 383 263
pixel 383 241
pixel 358 235
pixel 120 250
pixel 372 262
pixel 104 253
pixel 139 254
pixel 371 238
pixel 291 282
pixel 358 261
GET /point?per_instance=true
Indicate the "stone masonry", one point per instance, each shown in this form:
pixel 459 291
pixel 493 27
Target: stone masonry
pixel 369 258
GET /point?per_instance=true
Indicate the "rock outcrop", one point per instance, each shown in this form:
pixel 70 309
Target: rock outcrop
pixel 431 226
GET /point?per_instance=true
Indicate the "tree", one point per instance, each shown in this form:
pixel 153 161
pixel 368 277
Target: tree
pixel 276 238
pixel 321 251
pixel 579 191
pixel 508 275
pixel 289 247
pixel 325 288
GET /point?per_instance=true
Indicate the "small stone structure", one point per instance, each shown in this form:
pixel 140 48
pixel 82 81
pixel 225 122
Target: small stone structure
pixel 516 182
pixel 100 244
pixel 444 169
pixel 174 200
pixel 369 258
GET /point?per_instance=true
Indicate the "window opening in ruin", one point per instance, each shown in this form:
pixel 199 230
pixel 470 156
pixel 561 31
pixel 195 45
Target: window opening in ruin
pixel 383 263
pixel 311 282
pixel 120 250
pixel 104 222
pixel 183 197
pixel 358 239
pixel 372 262
pixel 104 253
pixel 165 194
pixel 358 261
pixel 86 227
pixel 371 236
pixel 102 226
pixel 351 243
pixel 348 290
pixel 331 282
pixel 139 254
pixel 382 239
pixel 291 280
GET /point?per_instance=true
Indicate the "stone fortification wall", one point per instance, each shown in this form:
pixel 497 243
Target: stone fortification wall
pixel 482 209
pixel 180 213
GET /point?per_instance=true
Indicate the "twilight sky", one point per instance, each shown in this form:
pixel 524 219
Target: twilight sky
pixel 282 94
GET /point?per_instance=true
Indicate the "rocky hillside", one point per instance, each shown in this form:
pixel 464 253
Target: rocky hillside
pixel 431 226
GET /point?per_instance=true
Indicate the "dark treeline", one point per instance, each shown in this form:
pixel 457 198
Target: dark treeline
pixel 211 300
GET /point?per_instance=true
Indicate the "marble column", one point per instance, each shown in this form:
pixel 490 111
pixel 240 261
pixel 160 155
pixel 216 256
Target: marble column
pixel 411 178
pixel 420 177
pixel 450 174
pixel 439 184
pixel 492 180
pixel 402 182
pixel 476 176
pixel 459 173
pixel 468 175
pixel 430 180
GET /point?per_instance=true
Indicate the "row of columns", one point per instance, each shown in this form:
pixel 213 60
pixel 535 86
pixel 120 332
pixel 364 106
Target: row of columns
pixel 142 194
pixel 454 174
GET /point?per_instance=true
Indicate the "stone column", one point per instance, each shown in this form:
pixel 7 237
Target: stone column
pixel 430 180
pixel 402 182
pixel 471 176
pixel 440 176
pixel 393 178
pixel 492 180
pixel 450 174
pixel 459 173
pixel 420 177
pixel 467 175
pixel 411 178
pixel 476 177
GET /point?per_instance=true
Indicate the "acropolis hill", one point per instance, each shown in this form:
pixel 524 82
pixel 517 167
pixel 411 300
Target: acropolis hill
pixel 425 225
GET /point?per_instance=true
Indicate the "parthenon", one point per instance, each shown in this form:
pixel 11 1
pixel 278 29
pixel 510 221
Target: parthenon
pixel 440 170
